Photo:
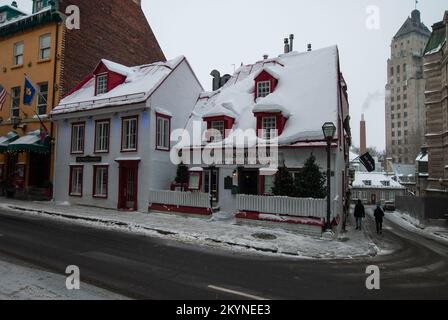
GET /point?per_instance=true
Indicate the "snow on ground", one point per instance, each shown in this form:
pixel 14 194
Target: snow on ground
pixel 21 282
pixel 410 223
pixel 219 231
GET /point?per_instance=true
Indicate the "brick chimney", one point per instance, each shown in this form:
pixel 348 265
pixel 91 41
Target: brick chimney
pixel 363 141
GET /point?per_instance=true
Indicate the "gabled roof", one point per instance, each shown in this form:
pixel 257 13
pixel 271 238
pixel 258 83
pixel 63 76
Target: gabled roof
pixel 413 24
pixel 307 92
pixel 378 180
pixel 141 82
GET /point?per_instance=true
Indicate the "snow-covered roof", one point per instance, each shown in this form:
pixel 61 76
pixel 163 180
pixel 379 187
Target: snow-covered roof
pixel 306 93
pixel 140 83
pixel 22 15
pixel 422 157
pixel 375 180
pixel 403 170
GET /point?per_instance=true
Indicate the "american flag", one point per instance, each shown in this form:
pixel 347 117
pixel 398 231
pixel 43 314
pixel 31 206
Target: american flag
pixel 2 96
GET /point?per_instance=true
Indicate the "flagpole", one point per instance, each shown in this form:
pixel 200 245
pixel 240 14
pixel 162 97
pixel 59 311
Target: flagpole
pixel 45 100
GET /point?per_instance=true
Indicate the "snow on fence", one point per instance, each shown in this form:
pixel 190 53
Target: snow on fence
pixel 316 208
pixel 175 198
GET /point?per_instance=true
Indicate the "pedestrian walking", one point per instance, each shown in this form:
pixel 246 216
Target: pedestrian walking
pixel 360 213
pixel 379 216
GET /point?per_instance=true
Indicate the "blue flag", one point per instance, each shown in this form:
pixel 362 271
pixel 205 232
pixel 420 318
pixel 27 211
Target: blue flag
pixel 29 93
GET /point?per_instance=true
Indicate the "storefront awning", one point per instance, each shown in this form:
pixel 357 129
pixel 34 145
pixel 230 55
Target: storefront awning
pixel 6 140
pixel 30 143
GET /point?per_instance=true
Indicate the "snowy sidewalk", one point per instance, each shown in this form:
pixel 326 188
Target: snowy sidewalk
pixel 219 231
pixel 22 282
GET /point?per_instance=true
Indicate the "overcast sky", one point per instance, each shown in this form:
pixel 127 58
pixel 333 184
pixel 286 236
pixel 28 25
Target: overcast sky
pixel 220 34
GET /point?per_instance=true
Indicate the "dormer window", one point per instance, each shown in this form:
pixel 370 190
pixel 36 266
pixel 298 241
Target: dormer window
pixel 101 84
pixel 367 183
pixel 263 89
pixel 39 5
pixel 2 17
pixel 270 124
pixel 222 124
pixel 265 83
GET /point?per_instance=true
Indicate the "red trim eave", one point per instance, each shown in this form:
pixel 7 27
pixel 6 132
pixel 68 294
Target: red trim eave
pixel 79 85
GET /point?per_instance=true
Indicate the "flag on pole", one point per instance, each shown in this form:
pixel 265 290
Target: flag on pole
pixel 2 96
pixel 30 92
pixel 368 162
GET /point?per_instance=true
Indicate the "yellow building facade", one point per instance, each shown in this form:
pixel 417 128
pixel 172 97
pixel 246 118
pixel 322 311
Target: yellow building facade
pixel 32 48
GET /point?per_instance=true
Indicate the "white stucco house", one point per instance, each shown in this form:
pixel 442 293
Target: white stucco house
pixel 375 188
pixel 286 99
pixel 112 140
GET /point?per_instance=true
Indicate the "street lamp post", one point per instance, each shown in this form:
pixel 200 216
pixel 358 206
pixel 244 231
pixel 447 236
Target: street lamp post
pixel 329 130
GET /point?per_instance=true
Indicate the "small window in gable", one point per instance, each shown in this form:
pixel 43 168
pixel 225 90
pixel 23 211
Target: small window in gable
pixel 263 89
pixel 367 182
pixel 101 84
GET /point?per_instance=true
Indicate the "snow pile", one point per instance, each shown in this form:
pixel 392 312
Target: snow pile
pixel 306 94
pixel 25 283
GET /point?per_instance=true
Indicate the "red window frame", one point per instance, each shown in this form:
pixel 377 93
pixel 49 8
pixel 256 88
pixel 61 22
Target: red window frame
pixel 280 121
pixel 70 192
pixel 108 133
pixel 84 138
pixel 95 171
pixel 123 119
pixel 165 117
pixel 228 124
pixel 96 82
pixel 262 77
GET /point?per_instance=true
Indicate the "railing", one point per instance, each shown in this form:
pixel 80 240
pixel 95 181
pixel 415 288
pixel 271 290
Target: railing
pixel 316 208
pixel 175 198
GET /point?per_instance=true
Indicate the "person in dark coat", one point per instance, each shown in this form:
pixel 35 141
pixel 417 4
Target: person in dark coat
pixel 379 216
pixel 360 214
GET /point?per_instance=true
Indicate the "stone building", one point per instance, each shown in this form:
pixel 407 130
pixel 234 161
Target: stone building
pixel 56 59
pixel 436 74
pixel 405 111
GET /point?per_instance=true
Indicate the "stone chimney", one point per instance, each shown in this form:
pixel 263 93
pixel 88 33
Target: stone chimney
pixel 363 138
pixel 286 45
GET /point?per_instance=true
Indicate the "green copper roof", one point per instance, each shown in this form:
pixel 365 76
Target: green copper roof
pixel 6 140
pixel 438 38
pixel 23 23
pixel 30 143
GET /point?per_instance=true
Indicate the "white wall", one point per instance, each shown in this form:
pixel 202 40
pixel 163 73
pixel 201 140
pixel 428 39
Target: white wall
pixel 64 159
pixel 178 95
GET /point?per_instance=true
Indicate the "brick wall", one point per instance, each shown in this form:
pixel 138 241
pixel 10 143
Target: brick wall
pixel 116 30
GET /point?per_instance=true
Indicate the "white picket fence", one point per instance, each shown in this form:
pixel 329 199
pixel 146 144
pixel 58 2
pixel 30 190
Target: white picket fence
pixel 175 198
pixel 316 208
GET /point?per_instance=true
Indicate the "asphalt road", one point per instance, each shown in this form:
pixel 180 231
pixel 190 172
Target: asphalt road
pixel 147 268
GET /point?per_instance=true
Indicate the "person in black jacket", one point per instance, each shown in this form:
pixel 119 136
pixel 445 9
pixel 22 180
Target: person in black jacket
pixel 360 214
pixel 379 216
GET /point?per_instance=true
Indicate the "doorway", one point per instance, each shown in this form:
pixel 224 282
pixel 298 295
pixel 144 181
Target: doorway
pixel 248 181
pixel 39 175
pixel 128 186
pixel 373 199
pixel 211 184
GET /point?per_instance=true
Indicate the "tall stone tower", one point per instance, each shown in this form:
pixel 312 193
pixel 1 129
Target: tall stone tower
pixel 405 98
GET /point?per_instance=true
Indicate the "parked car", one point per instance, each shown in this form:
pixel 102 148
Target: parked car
pixel 389 206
